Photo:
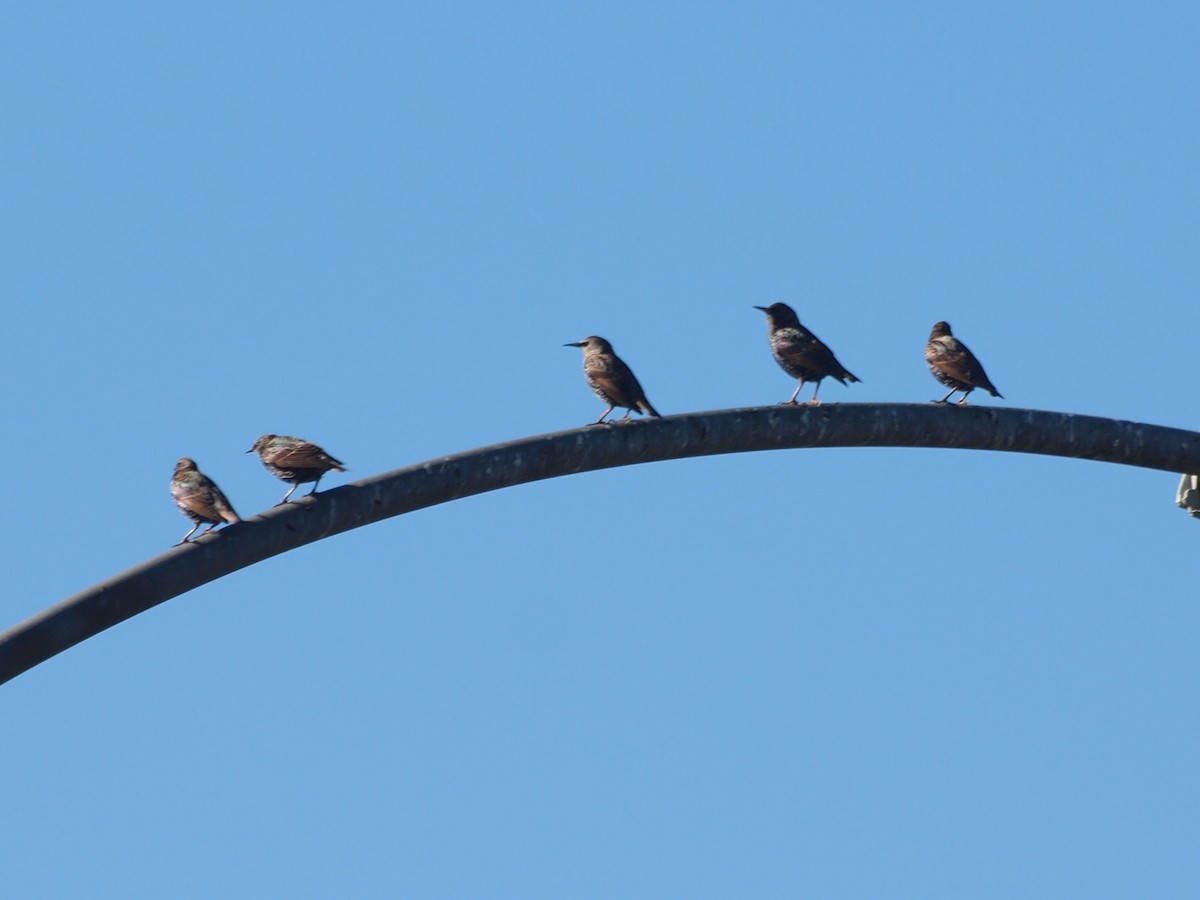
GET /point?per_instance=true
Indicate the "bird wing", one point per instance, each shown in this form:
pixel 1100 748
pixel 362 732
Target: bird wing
pixel 303 455
pixel 197 499
pixel 804 350
pixel 955 360
pixel 617 382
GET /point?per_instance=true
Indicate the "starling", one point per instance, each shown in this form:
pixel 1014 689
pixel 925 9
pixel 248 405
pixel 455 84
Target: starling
pixel 799 353
pixel 294 460
pixel 954 365
pixel 199 499
pixel 611 379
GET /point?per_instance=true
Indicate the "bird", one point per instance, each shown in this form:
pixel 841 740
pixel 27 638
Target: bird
pixel 800 353
pixel 294 459
pixel 954 365
pixel 199 498
pixel 611 379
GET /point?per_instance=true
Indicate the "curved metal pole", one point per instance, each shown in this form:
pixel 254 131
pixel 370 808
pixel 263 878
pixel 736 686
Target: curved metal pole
pixel 586 449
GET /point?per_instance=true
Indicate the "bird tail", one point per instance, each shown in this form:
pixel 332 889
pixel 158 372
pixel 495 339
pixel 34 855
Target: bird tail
pixel 847 375
pixel 226 511
pixel 644 406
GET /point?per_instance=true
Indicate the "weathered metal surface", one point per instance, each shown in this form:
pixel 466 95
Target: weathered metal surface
pixel 437 481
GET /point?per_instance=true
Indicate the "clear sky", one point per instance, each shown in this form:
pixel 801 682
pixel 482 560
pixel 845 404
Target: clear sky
pixel 823 673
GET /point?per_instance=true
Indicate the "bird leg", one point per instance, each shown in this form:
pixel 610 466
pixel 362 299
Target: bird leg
pixel 814 401
pixel 796 393
pixel 314 487
pixel 953 391
pixel 963 399
pixel 295 484
pixel 603 415
pixel 184 540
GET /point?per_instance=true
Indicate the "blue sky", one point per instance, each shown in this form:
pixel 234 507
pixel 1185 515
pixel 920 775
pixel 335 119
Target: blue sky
pixel 834 673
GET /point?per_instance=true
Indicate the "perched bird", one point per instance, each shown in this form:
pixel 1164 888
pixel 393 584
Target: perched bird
pixel 954 365
pixel 799 353
pixel 294 460
pixel 199 498
pixel 611 379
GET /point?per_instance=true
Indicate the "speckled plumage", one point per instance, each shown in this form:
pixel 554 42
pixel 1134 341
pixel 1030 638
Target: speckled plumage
pixel 800 353
pixel 294 460
pixel 954 365
pixel 612 380
pixel 198 498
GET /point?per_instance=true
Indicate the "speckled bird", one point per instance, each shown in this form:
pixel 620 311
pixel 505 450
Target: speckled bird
pixel 800 353
pixel 294 460
pixel 954 365
pixel 199 498
pixel 611 379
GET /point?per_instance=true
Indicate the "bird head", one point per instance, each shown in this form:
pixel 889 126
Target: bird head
pixel 781 315
pixel 940 329
pixel 592 344
pixel 261 444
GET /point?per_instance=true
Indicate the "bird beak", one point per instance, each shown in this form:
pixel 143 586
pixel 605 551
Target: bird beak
pixel 763 308
pixel 576 344
pixel 251 450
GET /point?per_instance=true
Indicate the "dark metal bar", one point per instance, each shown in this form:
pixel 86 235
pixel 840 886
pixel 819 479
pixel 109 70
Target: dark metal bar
pixel 437 481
